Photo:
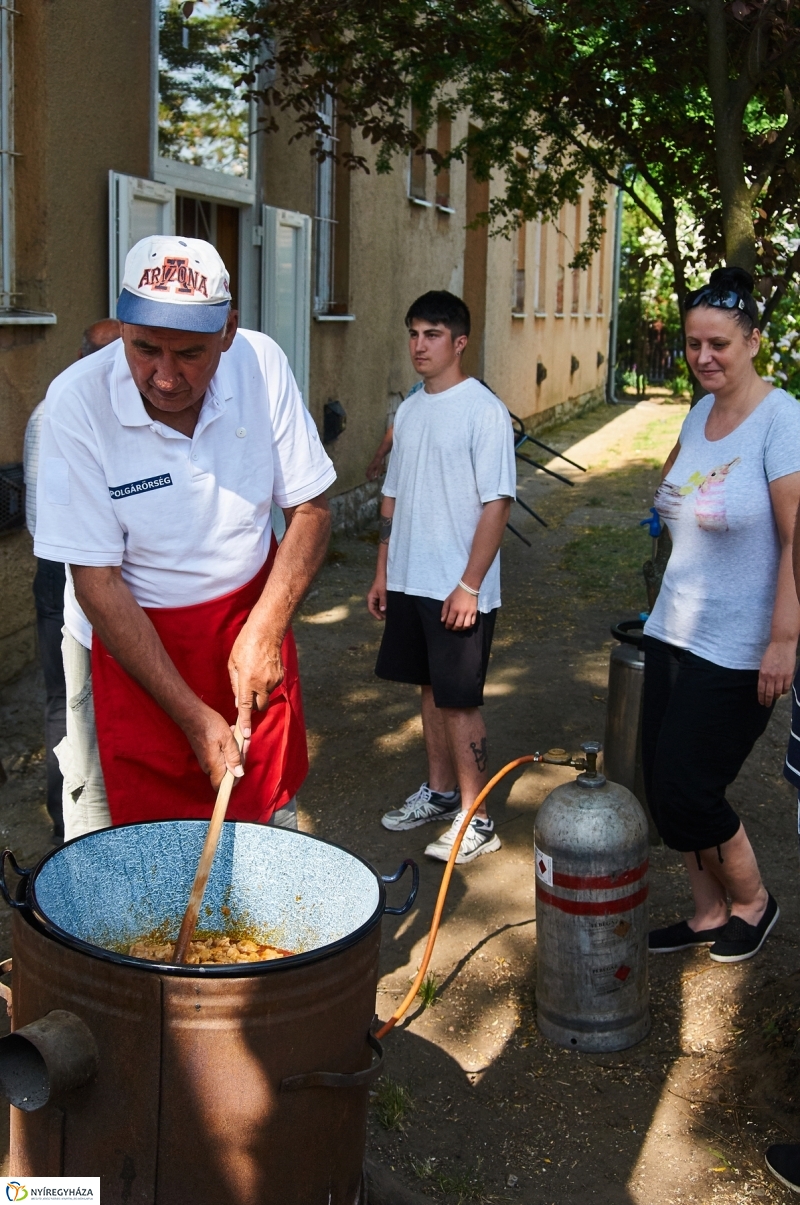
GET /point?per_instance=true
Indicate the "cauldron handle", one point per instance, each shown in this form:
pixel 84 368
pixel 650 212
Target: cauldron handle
pixel 332 1079
pixel 412 895
pixel 18 870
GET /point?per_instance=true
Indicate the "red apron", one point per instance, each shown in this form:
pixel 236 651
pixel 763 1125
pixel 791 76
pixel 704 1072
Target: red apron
pixel 149 768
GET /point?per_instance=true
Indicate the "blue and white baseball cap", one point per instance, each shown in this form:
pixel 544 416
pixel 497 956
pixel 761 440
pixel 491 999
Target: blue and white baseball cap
pixel 175 282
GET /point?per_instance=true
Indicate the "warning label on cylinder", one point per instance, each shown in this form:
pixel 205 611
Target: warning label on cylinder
pixel 544 866
pixel 607 977
pixel 602 935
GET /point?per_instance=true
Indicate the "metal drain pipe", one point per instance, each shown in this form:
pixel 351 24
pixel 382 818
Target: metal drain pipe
pixel 611 396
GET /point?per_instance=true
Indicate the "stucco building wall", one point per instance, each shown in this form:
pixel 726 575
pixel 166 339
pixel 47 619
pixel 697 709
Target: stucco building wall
pixel 398 250
pixel 82 89
pixel 516 345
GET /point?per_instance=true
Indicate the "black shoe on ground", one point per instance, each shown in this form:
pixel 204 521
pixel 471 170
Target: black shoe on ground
pixel 739 940
pixel 680 937
pixel 783 1160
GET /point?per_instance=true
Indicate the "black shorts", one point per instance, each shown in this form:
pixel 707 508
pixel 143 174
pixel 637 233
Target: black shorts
pixel 418 648
pixel 699 723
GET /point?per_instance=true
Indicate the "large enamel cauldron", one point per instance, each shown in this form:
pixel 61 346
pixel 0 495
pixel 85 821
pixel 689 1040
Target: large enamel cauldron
pixel 246 1083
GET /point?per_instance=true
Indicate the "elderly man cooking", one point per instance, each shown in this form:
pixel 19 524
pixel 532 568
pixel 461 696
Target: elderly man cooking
pixel 161 458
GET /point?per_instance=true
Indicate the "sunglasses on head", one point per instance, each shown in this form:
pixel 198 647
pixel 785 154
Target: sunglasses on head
pixel 721 299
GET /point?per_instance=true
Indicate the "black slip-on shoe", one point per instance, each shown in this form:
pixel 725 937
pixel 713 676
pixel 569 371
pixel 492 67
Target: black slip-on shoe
pixel 680 937
pixel 740 941
pixel 783 1160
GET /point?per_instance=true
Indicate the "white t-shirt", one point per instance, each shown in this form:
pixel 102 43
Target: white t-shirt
pixel 188 519
pixel 719 587
pixel 452 452
pixel 30 462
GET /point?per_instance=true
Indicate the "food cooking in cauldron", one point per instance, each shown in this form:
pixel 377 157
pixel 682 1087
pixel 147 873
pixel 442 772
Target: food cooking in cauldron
pixel 216 948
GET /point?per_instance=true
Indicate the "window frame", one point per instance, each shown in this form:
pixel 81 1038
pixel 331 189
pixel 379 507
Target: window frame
pixel 122 191
pixel 518 295
pixel 444 144
pixel 272 218
pixel 540 269
pixel 417 168
pixel 331 223
pixel 11 313
pixel 186 177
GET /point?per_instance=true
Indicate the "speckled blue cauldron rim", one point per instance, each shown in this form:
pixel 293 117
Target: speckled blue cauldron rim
pixel 36 914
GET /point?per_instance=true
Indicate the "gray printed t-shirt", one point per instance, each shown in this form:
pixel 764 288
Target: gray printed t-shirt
pixel 452 452
pixel 719 587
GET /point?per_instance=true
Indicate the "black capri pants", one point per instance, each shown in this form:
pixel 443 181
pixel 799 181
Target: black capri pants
pixel 699 723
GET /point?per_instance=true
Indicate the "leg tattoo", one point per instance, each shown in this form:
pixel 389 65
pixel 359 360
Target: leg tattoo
pixel 481 754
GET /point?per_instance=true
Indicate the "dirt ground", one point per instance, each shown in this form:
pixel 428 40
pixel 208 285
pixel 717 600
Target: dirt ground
pixel 475 1105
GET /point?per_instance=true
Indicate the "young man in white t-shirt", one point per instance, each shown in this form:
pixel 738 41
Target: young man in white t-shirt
pixel 446 500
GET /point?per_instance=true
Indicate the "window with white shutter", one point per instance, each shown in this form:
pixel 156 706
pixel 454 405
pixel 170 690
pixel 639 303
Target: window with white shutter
pixel 136 208
pixel 286 287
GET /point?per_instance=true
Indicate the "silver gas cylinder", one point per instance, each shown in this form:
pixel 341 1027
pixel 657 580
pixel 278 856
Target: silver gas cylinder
pixel 622 744
pixel 591 851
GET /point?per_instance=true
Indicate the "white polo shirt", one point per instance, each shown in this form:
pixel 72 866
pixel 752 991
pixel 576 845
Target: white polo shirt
pixel 188 519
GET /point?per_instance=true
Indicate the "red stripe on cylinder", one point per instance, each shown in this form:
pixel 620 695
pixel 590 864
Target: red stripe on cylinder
pixel 592 907
pixel 576 882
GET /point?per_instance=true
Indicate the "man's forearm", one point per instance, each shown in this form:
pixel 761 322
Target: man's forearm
pixel 385 520
pixel 297 562
pixel 132 640
pixel 486 541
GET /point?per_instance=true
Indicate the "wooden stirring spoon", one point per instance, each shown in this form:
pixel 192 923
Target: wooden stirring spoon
pixel 210 844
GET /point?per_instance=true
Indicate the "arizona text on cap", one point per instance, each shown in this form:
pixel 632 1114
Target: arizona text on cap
pixel 178 283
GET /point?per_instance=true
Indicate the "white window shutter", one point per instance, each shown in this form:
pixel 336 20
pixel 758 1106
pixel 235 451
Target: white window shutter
pixel 136 208
pixel 286 287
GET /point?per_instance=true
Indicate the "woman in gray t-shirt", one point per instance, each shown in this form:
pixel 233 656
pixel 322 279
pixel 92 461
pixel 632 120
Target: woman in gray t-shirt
pixel 721 642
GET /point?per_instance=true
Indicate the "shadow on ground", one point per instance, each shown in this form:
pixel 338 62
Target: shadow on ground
pixel 489 1111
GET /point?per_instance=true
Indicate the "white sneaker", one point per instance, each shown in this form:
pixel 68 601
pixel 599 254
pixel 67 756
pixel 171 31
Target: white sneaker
pixel 422 807
pixel 480 838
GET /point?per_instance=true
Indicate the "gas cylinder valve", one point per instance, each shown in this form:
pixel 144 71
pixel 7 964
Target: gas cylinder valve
pixel 591 776
pixel 560 757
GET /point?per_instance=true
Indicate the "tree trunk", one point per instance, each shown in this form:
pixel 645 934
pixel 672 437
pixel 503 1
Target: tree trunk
pixel 737 208
pixel 728 99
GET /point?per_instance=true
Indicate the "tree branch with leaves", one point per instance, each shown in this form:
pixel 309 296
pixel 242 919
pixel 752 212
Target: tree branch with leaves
pixel 686 106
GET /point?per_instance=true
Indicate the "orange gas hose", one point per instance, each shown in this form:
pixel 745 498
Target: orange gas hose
pixel 448 872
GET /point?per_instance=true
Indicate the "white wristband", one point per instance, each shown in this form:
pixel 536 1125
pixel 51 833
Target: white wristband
pixel 468 589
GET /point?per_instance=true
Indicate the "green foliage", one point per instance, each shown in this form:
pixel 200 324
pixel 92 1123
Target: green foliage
pixel 778 359
pixel 428 990
pixel 462 1184
pixel 648 305
pixel 392 1104
pixel 607 564
pixel 688 106
pixel 202 115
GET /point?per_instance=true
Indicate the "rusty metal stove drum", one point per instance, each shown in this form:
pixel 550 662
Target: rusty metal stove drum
pixel 591 853
pixel 239 1083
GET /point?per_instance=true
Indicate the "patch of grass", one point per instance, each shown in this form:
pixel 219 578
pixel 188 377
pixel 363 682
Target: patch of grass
pixel 392 1104
pixel 608 562
pixel 459 1184
pixel 428 990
